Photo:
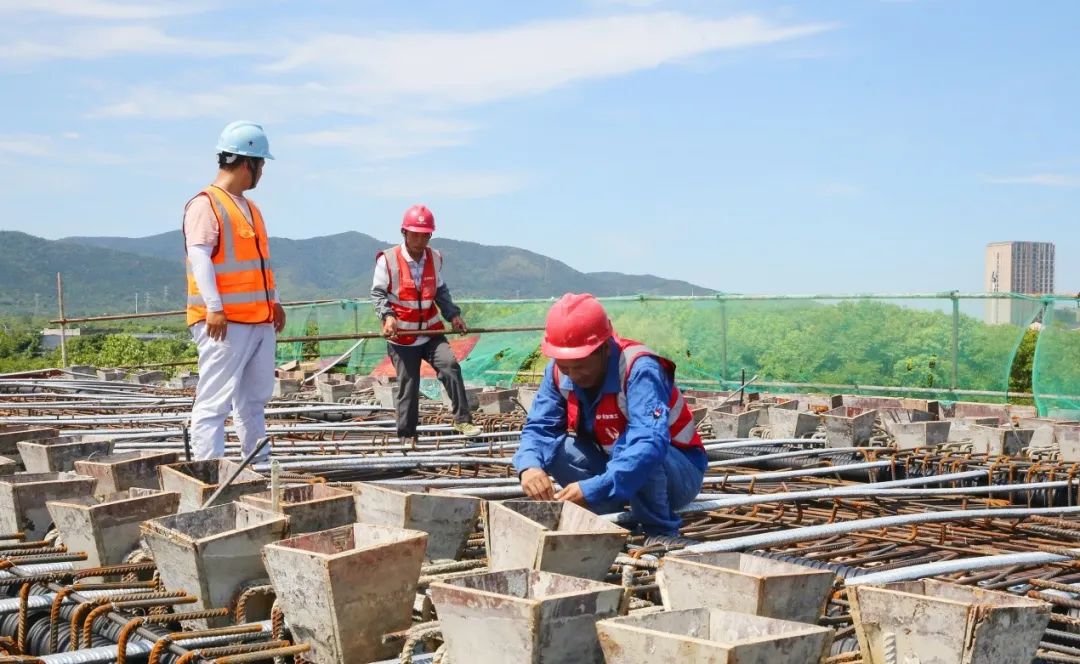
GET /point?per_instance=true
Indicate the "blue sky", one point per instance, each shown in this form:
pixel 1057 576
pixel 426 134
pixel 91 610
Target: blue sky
pixel 843 146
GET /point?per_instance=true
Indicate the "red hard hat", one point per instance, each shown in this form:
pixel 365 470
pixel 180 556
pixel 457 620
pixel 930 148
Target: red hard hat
pixel 419 220
pixel 576 326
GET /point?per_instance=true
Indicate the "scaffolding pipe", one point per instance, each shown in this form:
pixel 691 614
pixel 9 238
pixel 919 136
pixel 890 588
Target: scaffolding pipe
pixel 720 501
pixel 493 492
pixel 425 444
pixel 960 565
pixel 333 364
pixel 161 314
pixel 63 323
pixel 808 533
pixel 429 333
pixel 286 451
pixel 141 645
pixel 385 463
pixel 749 460
pixel 502 487
pixel 735 443
pixel 802 472
pixel 34 602
pixel 873 490
pixel 181 416
pixel 441 483
pixel 38 569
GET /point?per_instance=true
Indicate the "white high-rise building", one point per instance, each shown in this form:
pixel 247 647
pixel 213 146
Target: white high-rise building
pixel 1017 267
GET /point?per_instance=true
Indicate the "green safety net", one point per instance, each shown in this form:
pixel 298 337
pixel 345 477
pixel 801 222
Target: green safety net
pixel 866 345
pixel 1056 368
pixel 333 318
pixel 503 358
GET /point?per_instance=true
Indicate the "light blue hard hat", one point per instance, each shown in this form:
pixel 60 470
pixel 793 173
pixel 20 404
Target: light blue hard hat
pixel 244 138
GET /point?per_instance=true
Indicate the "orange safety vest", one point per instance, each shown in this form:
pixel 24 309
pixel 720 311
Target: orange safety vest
pixel 611 417
pixel 413 304
pixel 245 280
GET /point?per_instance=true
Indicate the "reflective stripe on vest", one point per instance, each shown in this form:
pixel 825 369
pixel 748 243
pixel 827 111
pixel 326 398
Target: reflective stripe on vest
pixel 228 298
pixel 413 304
pixel 612 414
pixel 242 270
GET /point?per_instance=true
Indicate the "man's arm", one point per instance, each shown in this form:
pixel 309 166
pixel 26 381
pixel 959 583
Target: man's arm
pixel 445 302
pixel 379 283
pixel 647 439
pixel 545 427
pixel 202 268
pixel 450 311
pixel 200 240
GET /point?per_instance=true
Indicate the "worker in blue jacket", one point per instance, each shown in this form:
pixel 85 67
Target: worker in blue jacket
pixel 609 424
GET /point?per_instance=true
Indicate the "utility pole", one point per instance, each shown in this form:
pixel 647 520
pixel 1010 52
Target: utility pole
pixel 63 321
pixel 136 301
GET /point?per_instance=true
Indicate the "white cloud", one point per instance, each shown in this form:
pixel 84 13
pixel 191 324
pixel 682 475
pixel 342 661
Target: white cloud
pixel 101 9
pixel 266 101
pixel 368 79
pixel 376 76
pixel 416 186
pixel 1039 179
pixel 26 145
pixel 433 68
pixel 104 42
pixel 394 139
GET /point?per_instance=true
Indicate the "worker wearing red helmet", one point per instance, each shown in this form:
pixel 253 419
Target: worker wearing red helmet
pixel 409 295
pixel 609 424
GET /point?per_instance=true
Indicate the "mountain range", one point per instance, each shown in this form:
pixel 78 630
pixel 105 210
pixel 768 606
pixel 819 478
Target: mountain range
pixel 107 274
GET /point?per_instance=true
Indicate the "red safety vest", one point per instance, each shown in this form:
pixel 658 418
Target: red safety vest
pixel 611 415
pixel 242 270
pixel 413 304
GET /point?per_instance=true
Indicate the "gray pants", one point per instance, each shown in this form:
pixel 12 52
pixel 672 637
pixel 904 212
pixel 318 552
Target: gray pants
pixel 406 359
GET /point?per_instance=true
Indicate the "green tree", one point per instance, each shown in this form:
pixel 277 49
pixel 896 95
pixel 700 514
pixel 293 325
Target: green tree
pixel 1024 363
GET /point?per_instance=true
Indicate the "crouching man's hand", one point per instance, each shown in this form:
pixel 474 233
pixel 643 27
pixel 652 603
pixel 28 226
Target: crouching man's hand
pixel 537 485
pixel 572 494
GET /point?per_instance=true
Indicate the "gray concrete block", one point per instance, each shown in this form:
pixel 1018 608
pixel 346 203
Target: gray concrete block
pixel 309 507
pixel 107 527
pixel 23 499
pixel 551 536
pixel 342 589
pixel 524 615
pixel 447 518
pixel 212 553
pixel 711 636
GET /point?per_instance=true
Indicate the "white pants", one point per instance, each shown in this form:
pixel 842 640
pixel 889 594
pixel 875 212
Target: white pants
pixel 235 375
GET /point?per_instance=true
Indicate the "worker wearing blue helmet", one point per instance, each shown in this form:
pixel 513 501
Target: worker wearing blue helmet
pixel 233 308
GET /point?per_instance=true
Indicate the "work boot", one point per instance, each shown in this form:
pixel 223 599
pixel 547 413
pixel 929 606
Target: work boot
pixel 467 429
pixel 669 542
pixel 408 441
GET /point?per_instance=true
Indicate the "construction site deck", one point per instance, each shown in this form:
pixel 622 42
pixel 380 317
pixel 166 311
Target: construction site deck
pixel 831 528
